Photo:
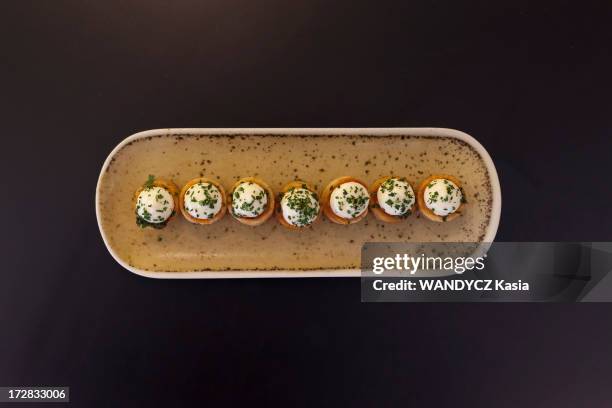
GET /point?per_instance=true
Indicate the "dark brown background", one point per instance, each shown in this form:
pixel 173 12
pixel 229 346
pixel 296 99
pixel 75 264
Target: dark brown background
pixel 530 79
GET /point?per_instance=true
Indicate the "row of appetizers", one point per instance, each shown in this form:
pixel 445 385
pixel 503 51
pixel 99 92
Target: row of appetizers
pixel 345 200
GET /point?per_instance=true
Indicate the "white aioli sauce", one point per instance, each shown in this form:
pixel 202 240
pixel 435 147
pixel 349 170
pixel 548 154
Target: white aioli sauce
pixel 249 200
pixel 154 205
pixel 203 200
pixel 349 200
pixel 442 197
pixel 395 196
pixel 300 207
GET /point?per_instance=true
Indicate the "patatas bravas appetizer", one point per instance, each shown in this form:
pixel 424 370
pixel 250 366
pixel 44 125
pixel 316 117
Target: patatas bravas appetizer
pixel 155 203
pixel 202 201
pixel 298 205
pixel 344 200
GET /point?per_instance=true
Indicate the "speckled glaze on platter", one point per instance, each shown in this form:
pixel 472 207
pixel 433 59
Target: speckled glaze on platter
pixel 228 249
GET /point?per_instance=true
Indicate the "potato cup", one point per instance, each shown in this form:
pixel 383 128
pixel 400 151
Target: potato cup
pixel 379 211
pixel 204 220
pixel 326 196
pixel 280 216
pixel 427 212
pixel 236 197
pixel 146 215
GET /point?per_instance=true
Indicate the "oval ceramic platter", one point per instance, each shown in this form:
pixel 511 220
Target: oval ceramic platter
pixel 229 249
